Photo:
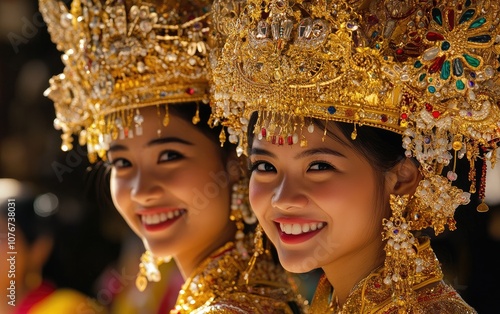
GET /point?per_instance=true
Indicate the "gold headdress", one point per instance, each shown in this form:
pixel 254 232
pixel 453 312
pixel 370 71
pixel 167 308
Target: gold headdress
pixel 428 70
pixel 120 56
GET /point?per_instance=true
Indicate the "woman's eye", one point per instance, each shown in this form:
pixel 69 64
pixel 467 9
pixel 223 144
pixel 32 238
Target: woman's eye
pixel 262 166
pixel 169 156
pixel 318 166
pixel 120 163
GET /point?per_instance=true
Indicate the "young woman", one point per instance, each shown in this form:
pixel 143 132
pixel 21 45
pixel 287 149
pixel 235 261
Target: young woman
pixel 360 112
pixel 133 89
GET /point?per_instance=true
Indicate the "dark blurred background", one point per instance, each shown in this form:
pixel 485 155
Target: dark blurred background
pixel 89 235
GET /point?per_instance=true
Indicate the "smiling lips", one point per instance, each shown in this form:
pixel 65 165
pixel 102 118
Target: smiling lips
pixel 297 228
pixel 295 232
pixel 156 220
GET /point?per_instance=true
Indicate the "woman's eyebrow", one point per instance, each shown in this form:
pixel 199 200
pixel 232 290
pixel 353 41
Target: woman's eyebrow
pixel 260 151
pixel 316 151
pixel 166 140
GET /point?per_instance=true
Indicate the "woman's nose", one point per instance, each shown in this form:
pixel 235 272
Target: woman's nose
pixel 289 195
pixel 145 189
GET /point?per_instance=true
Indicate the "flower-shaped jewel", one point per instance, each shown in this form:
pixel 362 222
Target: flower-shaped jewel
pixel 459 37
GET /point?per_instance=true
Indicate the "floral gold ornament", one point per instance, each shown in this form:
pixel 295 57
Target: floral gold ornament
pixel 428 70
pixel 148 270
pixel 120 56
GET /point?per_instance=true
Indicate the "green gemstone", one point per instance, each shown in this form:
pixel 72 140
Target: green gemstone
pixel 445 70
pixel 421 77
pixel 478 23
pixel 437 16
pixel 473 62
pixel 460 85
pixel 417 64
pixel 445 46
pixel 467 16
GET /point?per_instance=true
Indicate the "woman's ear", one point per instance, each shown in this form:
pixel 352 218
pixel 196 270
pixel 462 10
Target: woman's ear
pixel 403 178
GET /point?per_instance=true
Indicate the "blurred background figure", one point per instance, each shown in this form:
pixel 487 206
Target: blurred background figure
pixel 27 242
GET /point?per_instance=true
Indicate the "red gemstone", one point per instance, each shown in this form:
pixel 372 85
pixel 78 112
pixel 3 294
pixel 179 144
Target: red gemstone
pixel 190 90
pixel 263 132
pixel 280 140
pixel 372 19
pixel 428 107
pixel 404 116
pixel 383 118
pixel 451 19
pixel 377 285
pixel 412 34
pixel 289 140
pixel 273 139
pixel 349 113
pixel 436 114
pixel 433 36
pixel 437 64
pixel 399 51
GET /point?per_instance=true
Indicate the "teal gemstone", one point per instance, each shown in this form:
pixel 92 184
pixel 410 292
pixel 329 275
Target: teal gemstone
pixel 437 16
pixel 458 67
pixel 467 16
pixel 421 77
pixel 445 46
pixel 445 70
pixel 417 64
pixel 478 23
pixel 473 62
pixel 460 85
pixel 431 89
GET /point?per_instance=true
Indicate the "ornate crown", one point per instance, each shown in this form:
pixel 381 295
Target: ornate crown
pixel 426 70
pixel 121 56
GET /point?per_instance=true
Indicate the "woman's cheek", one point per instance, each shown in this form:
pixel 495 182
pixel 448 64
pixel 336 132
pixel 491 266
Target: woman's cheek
pixel 258 199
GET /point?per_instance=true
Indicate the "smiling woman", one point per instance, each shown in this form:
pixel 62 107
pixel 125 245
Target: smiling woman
pixel 135 90
pixel 354 114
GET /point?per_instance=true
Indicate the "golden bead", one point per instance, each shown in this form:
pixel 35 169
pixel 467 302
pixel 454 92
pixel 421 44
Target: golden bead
pixel 457 145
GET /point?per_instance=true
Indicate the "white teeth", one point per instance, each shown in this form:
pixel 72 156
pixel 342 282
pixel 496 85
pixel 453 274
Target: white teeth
pixel 301 228
pixel 154 219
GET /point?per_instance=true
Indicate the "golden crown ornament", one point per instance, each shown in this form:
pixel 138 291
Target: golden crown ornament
pixel 428 70
pixel 120 56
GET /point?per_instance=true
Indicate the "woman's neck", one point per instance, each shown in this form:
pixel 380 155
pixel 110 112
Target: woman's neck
pixel 188 261
pixel 345 273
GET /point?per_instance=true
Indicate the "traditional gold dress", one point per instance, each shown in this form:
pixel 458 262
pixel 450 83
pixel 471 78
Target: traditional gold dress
pixel 371 295
pixel 218 285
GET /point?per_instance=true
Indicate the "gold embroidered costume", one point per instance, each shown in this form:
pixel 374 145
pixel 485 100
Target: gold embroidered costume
pixel 218 285
pixel 371 295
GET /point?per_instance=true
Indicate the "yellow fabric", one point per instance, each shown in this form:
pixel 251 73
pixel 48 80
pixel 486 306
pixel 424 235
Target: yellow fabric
pixel 66 301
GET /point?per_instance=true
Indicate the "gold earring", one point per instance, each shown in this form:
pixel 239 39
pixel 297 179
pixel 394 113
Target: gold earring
pixel 240 209
pixel 400 265
pixel 258 250
pixel 148 269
